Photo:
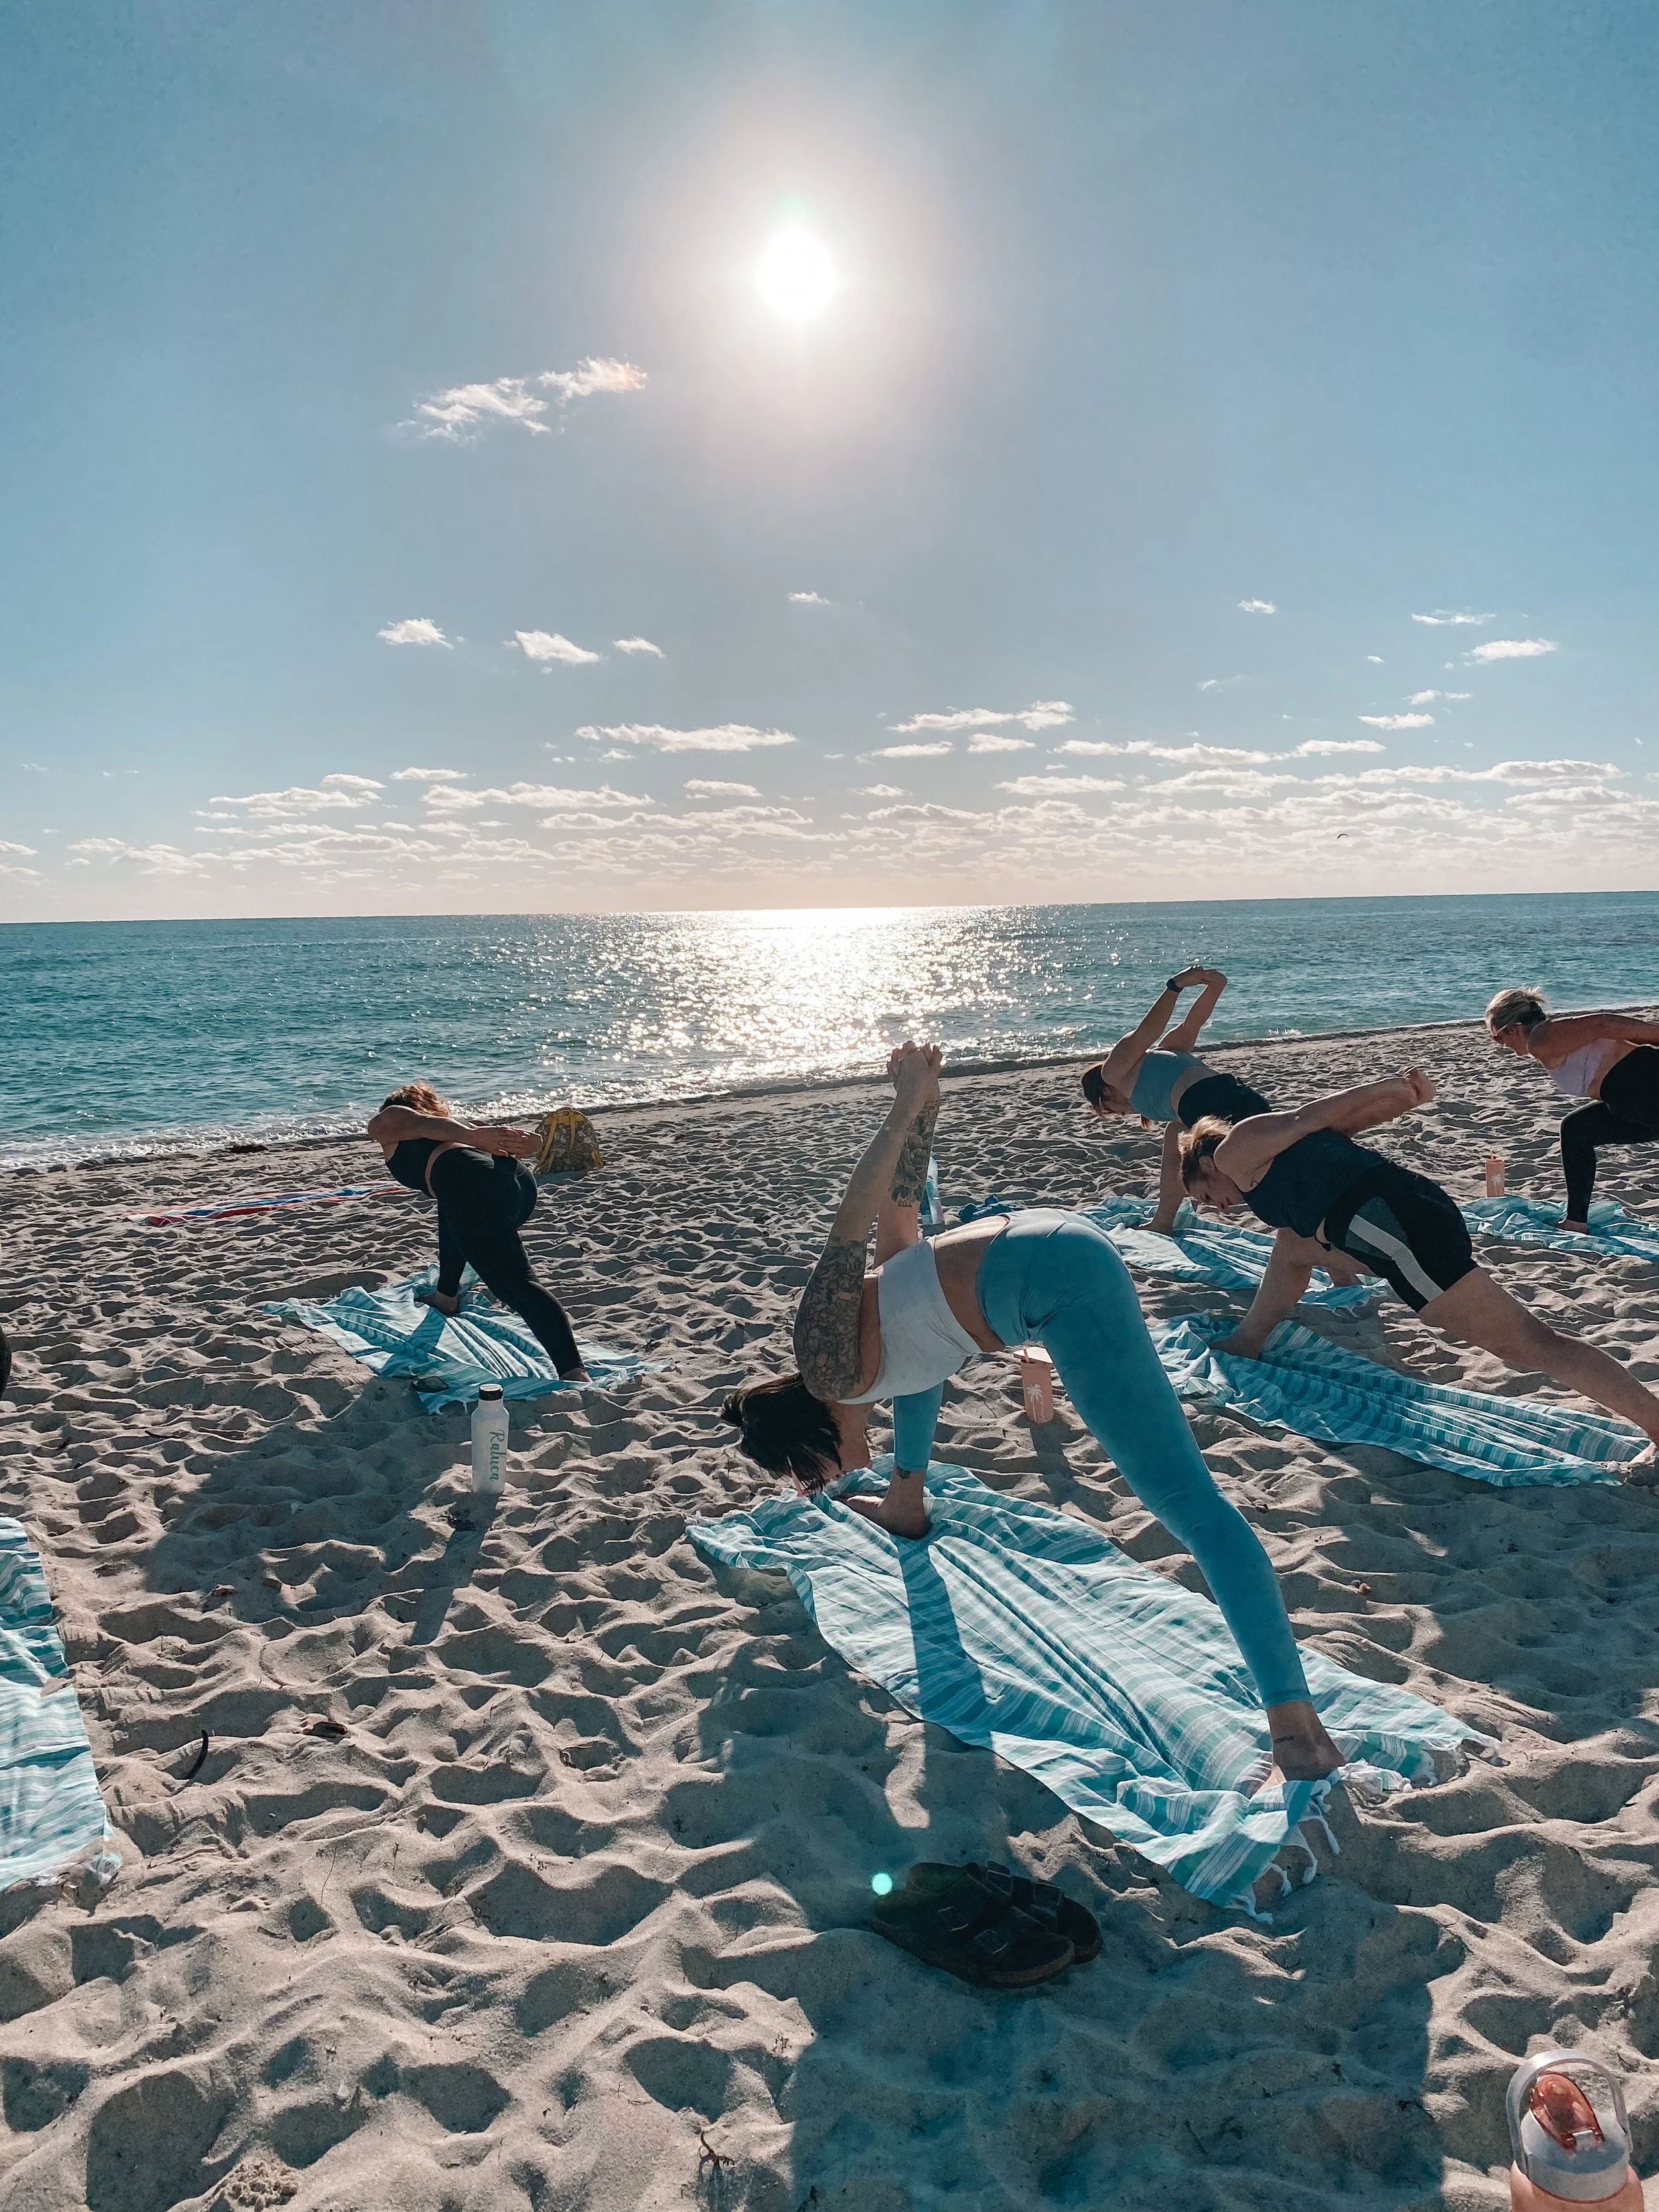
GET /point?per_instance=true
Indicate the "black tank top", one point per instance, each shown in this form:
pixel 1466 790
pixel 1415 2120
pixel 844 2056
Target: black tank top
pixel 1306 1180
pixel 408 1164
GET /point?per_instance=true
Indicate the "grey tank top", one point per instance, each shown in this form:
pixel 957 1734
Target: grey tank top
pixel 1159 1073
pixel 1306 1180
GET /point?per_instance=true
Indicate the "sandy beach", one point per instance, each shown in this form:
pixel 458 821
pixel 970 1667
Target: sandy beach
pixel 529 1859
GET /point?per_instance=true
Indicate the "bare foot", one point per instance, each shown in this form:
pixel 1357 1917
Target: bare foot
pixel 575 1374
pixel 1579 1228
pixel 1643 1472
pixel 1302 1752
pixel 896 1515
pixel 442 1299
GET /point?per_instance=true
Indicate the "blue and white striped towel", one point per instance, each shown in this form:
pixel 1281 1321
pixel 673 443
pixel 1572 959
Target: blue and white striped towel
pixel 1317 1390
pixel 1536 1221
pixel 447 1356
pixel 51 1811
pixel 1205 1251
pixel 1025 1630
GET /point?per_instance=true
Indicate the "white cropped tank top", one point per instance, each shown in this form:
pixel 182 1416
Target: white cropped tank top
pixel 923 1341
pixel 1582 1068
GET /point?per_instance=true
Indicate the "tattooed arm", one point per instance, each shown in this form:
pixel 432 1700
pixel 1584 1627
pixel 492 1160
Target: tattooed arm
pixel 827 1346
pixel 898 1223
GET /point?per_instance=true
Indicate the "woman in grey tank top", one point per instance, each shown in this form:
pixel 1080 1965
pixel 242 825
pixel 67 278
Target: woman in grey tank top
pixel 1152 1070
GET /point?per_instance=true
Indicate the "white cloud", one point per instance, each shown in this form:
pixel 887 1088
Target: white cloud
pixel 934 751
pixel 445 800
pixel 1314 747
pixel 154 860
pixel 414 630
pixel 1424 698
pixel 591 376
pixel 808 599
pixel 1040 715
pixel 1512 648
pixel 1443 618
pixel 1194 755
pixel 1398 721
pixel 1224 782
pixel 22 852
pixel 992 743
pixel 1257 607
pixel 724 738
pixel 1058 786
pixel 880 790
pixel 334 793
pixel 428 776
pixel 1543 772
pixel 463 412
pixel 636 645
pixel 705 789
pixel 1375 660
pixel 1200 755
pixel 548 645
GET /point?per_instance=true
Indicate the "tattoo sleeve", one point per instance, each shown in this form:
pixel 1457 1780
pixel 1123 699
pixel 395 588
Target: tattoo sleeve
pixel 910 1175
pixel 827 1324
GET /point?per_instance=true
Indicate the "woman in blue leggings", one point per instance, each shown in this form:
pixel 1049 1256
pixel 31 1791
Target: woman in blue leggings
pixel 1042 1277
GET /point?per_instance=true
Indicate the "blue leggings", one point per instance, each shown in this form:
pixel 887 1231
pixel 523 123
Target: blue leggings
pixel 1055 1280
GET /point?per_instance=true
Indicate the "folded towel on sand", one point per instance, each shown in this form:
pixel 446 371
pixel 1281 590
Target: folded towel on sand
pixel 1209 1252
pixel 50 1812
pixel 1538 1221
pixel 448 1356
pixel 1026 1630
pixel 268 1201
pixel 1319 1390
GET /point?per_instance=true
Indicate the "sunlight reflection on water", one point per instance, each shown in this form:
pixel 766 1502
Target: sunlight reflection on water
pixel 130 1037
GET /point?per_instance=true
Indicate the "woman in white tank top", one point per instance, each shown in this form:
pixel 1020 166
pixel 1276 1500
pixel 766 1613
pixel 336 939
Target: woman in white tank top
pixel 1041 1277
pixel 1608 1058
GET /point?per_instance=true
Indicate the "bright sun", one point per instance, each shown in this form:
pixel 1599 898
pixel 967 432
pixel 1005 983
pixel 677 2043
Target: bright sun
pixel 795 275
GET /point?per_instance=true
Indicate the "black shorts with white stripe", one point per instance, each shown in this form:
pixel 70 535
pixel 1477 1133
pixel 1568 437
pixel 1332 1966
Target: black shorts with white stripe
pixel 1404 1227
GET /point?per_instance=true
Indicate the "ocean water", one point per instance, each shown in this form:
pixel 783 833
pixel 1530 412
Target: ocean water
pixel 128 1039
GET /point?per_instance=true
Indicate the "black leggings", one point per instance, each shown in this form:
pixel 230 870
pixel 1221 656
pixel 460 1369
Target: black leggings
pixel 484 1201
pixel 1626 1113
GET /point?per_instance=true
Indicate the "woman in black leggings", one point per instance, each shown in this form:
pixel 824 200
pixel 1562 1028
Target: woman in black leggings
pixel 1609 1059
pixel 485 1194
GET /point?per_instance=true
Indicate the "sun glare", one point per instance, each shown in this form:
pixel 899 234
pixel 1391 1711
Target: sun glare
pixel 795 275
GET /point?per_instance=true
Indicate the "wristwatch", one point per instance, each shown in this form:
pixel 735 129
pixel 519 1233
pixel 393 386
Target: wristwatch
pixel 1173 983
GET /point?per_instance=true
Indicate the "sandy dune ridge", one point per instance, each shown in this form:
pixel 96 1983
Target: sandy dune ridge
pixel 527 1864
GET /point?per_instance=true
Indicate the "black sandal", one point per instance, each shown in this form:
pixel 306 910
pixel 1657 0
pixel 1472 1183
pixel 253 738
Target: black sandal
pixel 1048 1906
pixel 970 1930
pixel 1038 1900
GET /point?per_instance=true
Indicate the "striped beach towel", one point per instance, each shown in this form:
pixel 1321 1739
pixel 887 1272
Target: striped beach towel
pixel 1204 1251
pixel 1538 1221
pixel 1319 1390
pixel 50 1812
pixel 447 1356
pixel 1025 1630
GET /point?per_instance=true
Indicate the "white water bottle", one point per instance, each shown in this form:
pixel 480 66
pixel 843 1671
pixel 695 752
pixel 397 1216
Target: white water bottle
pixel 488 1441
pixel 1571 2137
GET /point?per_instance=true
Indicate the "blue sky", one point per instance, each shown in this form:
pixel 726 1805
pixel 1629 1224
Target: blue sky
pixel 1147 320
